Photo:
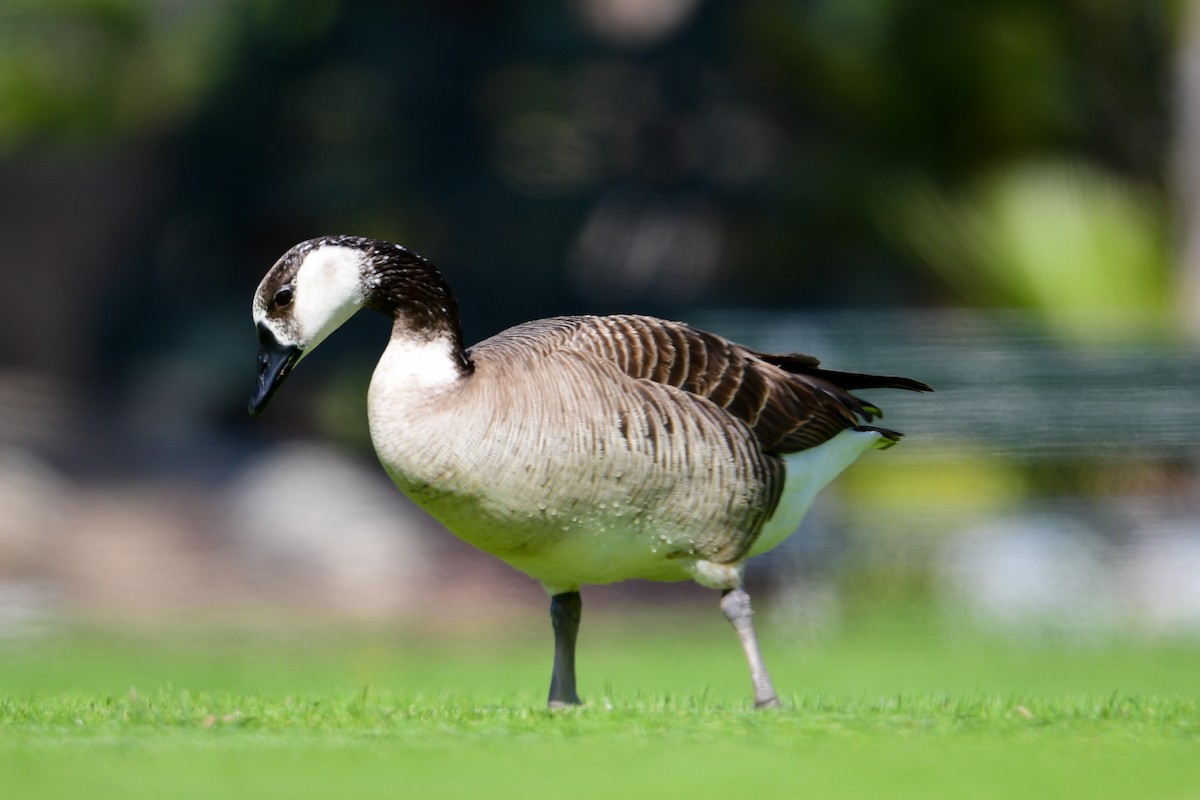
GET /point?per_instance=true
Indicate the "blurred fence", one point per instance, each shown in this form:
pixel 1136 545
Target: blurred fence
pixel 1047 484
pixel 1004 382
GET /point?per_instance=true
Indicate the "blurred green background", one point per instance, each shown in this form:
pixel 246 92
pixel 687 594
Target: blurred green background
pixel 995 197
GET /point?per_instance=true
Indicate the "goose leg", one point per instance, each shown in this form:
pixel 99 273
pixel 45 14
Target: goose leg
pixel 565 610
pixel 736 605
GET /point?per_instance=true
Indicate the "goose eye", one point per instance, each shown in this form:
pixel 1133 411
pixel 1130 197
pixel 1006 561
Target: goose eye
pixel 283 297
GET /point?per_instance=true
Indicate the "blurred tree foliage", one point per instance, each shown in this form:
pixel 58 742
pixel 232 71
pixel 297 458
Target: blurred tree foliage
pixel 1085 248
pixel 756 153
pixel 98 73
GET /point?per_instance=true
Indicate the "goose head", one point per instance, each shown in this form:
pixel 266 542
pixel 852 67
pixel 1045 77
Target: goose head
pixel 319 284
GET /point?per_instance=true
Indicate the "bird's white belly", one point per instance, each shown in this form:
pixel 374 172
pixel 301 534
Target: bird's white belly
pixel 594 551
pixel 563 539
pixel 565 542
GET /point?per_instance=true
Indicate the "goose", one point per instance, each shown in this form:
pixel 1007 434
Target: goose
pixel 578 449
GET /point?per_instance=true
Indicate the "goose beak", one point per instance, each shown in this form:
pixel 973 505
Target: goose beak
pixel 275 361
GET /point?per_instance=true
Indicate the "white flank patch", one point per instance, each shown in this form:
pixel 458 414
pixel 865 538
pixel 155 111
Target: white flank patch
pixel 807 473
pixel 328 292
pixel 410 364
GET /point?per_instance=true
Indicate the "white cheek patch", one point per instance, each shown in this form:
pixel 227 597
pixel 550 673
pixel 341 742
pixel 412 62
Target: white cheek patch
pixel 328 291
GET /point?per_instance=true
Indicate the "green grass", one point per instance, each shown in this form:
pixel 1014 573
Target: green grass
pixel 888 710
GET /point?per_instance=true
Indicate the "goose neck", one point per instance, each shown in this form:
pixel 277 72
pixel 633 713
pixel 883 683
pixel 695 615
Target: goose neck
pixel 410 290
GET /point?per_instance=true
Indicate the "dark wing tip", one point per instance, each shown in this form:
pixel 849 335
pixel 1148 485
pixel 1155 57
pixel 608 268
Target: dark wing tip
pixel 905 383
pixel 801 364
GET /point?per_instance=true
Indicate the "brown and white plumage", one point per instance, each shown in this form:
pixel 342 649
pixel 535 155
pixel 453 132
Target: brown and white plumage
pixel 579 449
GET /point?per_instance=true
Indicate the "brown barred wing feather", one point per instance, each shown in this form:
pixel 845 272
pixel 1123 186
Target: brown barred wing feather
pixel 788 401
